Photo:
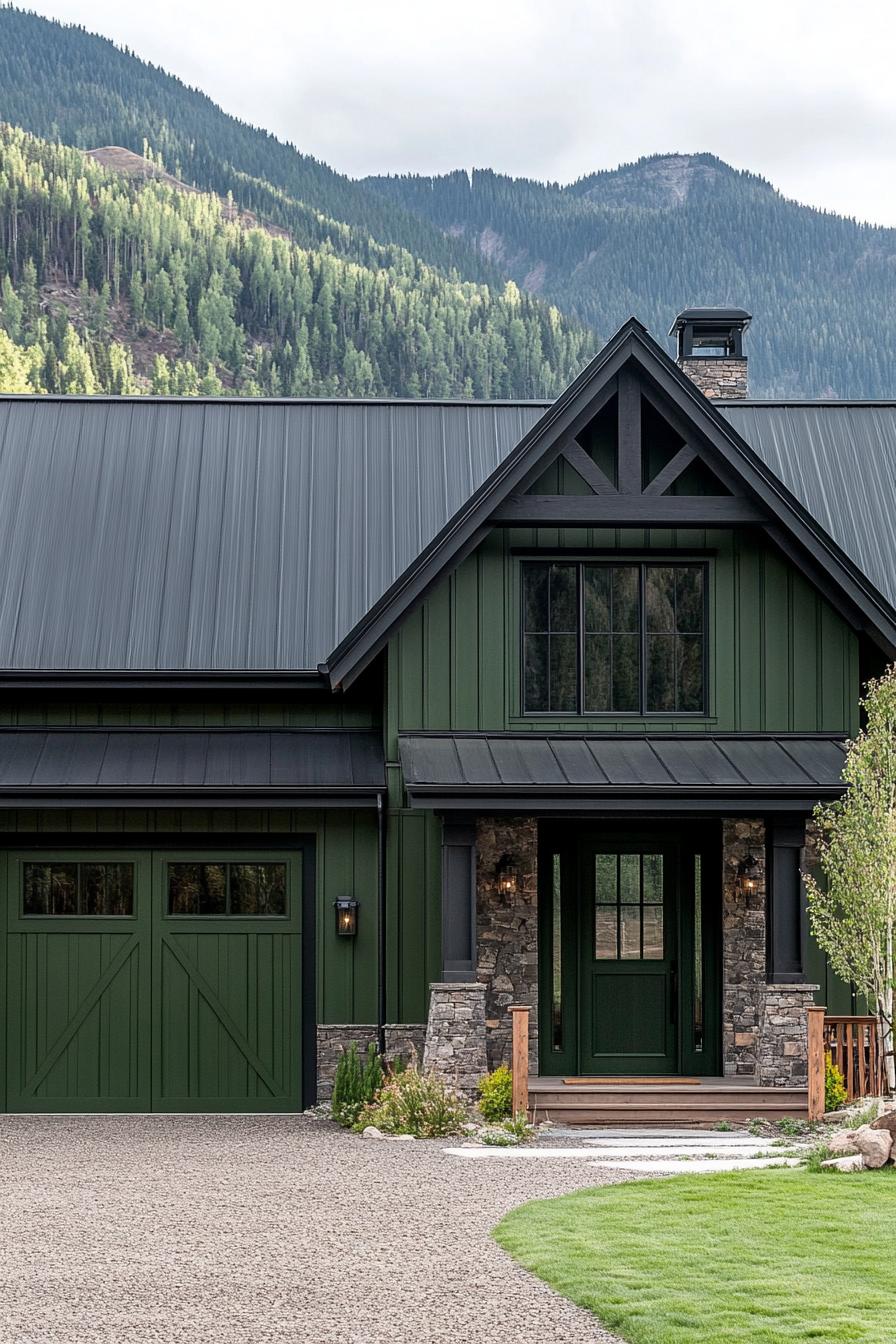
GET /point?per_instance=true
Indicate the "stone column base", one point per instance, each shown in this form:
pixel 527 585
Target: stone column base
pixel 455 1035
pixel 783 1037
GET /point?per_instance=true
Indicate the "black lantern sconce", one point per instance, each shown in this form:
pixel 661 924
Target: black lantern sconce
pixel 507 879
pixel 346 917
pixel 748 875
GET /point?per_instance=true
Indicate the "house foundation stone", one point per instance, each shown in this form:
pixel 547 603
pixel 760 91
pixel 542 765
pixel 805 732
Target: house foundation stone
pixel 405 1039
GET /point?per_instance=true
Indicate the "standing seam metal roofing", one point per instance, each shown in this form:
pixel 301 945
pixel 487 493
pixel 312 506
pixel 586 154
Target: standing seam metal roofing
pixel 193 535
pixel 466 763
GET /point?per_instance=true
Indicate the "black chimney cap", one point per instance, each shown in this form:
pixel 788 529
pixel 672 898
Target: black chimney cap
pixel 710 333
pixel 722 317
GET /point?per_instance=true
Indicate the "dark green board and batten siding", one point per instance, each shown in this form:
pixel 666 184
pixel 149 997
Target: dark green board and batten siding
pixel 780 659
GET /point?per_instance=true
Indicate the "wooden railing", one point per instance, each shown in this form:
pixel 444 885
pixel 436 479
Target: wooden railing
pixel 854 1046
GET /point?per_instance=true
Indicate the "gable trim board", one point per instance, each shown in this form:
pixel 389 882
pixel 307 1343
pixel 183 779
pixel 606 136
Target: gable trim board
pixel 768 502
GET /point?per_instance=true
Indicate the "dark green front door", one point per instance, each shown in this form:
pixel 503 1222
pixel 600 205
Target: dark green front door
pixel 629 947
pixel 153 980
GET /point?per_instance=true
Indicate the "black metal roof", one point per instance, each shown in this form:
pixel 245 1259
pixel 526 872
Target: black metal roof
pixel 190 536
pixel 622 771
pixel 722 316
pixel 87 767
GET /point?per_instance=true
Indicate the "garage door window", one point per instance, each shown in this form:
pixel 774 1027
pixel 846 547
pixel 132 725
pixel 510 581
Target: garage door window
pixel 218 889
pixel 100 889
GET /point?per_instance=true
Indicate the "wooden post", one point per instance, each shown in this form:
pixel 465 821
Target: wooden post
pixel 815 1033
pixel 519 1016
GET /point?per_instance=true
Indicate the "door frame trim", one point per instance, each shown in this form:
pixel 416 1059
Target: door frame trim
pixel 149 841
pixel 562 836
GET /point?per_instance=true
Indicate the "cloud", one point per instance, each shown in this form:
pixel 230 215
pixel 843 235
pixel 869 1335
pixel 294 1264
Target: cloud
pixel 798 90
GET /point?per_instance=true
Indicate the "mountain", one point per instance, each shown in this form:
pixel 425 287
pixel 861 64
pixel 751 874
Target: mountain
pixel 261 269
pixel 679 230
pixel 118 277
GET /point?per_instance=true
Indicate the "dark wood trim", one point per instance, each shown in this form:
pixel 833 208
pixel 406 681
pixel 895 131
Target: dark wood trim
pixel 612 801
pixel 236 799
pixel 587 468
pixel 40 679
pixel 622 510
pixel 671 471
pixel 628 469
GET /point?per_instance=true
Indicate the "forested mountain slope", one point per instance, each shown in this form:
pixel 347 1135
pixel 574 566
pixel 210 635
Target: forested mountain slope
pixel 61 82
pixel 112 281
pixel 676 230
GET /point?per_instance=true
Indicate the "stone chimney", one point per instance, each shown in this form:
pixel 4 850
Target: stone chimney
pixel 710 349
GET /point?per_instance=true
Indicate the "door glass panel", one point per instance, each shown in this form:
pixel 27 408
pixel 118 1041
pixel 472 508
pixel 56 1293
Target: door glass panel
pixel 653 933
pixel 628 902
pixel 222 889
pixel 605 869
pixel 556 955
pixel 98 889
pixel 258 888
pixel 630 932
pixel 605 944
pixel 698 953
pixel 197 889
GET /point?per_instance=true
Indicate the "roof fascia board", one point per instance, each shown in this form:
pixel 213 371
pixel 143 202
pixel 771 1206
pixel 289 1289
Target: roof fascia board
pixel 240 798
pixel 723 802
pixel 44 679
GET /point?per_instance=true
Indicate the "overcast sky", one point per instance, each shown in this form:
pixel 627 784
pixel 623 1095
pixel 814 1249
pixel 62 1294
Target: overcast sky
pixel 802 91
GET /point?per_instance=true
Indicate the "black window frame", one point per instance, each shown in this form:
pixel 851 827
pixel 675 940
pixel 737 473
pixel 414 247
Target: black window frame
pixel 618 560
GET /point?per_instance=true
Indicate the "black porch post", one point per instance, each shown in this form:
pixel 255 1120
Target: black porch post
pixel 786 901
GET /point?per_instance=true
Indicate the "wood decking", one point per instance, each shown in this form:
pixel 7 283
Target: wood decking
pixel 706 1105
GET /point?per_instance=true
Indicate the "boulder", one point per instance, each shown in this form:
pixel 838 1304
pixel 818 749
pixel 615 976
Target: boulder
pixel 853 1163
pixel 842 1144
pixel 371 1132
pixel 875 1145
pixel 887 1122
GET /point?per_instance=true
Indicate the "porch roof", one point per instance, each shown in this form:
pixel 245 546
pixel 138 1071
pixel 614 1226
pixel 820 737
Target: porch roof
pixel 657 772
pixel 202 767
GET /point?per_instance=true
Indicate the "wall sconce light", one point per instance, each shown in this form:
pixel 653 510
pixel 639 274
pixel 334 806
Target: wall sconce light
pixel 346 917
pixel 507 880
pixel 748 874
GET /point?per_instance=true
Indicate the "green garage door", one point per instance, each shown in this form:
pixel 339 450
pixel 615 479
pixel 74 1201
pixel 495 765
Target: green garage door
pixel 166 981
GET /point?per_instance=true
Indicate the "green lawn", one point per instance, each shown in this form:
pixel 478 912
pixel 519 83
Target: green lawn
pixel 759 1257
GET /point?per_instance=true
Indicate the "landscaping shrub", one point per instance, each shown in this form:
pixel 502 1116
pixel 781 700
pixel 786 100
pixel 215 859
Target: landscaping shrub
pixel 415 1103
pixel 356 1083
pixel 496 1093
pixel 834 1086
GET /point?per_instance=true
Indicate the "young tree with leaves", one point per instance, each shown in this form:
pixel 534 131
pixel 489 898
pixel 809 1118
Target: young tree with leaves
pixel 853 909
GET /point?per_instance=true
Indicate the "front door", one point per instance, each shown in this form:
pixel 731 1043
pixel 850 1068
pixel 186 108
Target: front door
pixel 629 974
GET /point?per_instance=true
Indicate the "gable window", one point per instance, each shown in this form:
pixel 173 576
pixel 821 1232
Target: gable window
pixel 604 638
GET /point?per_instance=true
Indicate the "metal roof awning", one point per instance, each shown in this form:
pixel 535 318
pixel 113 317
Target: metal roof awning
pixel 208 767
pixel 562 772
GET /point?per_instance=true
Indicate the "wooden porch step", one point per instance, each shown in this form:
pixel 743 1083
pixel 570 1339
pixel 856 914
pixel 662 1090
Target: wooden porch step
pixel 706 1105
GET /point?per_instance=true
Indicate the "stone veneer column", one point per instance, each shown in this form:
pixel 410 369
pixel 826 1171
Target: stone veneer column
pixel 507 931
pixel 455 1035
pixel 763 1025
pixel 743 947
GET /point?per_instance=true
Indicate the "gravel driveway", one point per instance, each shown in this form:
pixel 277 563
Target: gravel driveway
pixel 244 1229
